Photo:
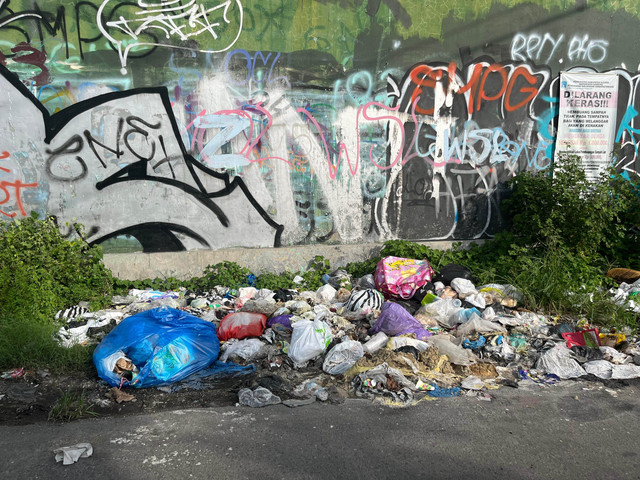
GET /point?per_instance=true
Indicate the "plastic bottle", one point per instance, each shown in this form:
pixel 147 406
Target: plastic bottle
pixel 376 342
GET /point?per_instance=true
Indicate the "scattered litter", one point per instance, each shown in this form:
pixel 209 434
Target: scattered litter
pixel 309 339
pixel 16 373
pixel 120 396
pixel 559 362
pixel 73 453
pixel 472 383
pixel 392 336
pixel 260 397
pixel 342 357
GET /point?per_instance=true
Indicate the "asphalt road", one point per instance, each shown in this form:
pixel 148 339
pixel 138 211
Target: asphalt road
pixel 570 430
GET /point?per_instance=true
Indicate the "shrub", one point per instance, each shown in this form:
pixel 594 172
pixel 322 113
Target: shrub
pixel 42 272
pixel 228 274
pixel 594 219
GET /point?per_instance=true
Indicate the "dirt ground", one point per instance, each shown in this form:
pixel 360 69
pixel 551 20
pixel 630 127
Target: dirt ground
pixel 31 398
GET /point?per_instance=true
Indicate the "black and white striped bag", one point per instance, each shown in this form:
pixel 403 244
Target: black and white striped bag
pixel 71 313
pixel 368 298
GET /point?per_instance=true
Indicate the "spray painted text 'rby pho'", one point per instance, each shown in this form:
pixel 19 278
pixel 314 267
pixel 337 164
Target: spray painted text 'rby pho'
pixel 186 124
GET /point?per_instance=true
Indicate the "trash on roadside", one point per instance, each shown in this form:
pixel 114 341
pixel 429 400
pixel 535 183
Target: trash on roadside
pixel 368 299
pixel 584 338
pixel 440 339
pixel 309 339
pixel 120 396
pixel 375 343
pixel 298 402
pixel 455 353
pixel 472 383
pixel 242 325
pixel 612 339
pixel 311 388
pixel 386 381
pixel 73 453
pixel 260 397
pixel 451 271
pixel 246 349
pixel 440 392
pixel 623 275
pixel 164 345
pixel 399 277
pixel 15 373
pixel 558 361
pixel 342 357
pixel 395 320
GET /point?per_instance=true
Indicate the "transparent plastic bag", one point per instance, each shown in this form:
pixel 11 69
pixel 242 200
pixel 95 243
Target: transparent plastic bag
pixel 443 310
pixel 342 357
pixel 455 353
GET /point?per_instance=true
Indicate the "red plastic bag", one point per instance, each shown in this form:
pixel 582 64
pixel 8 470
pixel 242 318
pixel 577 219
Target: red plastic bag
pixel 242 325
pixel 585 338
pixel 399 277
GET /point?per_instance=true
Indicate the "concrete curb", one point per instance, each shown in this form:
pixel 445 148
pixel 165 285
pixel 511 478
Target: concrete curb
pixel 189 264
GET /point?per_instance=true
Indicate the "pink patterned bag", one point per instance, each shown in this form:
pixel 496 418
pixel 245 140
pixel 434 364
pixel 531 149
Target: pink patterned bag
pixel 399 277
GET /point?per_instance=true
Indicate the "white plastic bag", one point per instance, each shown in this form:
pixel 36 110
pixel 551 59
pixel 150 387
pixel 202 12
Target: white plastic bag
pixel 308 340
pixel 69 455
pixel 464 287
pixel 398 342
pixel 326 294
pixel 613 355
pixel 559 362
pixel 606 370
pixel 599 368
pixel 342 357
pixel 456 354
pixel 478 325
pixel 476 300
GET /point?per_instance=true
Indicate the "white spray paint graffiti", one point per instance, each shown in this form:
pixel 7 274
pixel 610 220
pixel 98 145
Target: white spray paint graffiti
pixel 173 19
pixel 547 48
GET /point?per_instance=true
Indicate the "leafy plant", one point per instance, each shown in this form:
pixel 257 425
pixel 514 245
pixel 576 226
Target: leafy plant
pixel 228 274
pixel 275 281
pixel 318 267
pixel 593 219
pixel 42 272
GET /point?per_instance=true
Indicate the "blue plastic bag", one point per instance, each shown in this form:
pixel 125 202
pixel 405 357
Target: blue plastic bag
pixel 166 345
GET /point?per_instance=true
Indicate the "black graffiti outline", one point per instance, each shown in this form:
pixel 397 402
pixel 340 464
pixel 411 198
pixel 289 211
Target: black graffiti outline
pixel 166 230
pixel 53 124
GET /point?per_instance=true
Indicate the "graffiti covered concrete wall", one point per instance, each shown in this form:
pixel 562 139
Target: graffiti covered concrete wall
pixel 189 124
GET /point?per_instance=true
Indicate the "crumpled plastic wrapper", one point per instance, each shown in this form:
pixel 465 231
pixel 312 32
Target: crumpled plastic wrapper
pixel 73 453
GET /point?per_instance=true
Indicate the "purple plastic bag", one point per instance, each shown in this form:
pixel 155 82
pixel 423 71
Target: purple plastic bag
pixel 395 320
pixel 284 320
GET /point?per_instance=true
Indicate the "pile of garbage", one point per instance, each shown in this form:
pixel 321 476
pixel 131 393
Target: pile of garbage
pixel 399 336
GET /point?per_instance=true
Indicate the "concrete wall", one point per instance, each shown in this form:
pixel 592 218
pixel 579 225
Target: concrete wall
pixel 209 124
pixel 189 264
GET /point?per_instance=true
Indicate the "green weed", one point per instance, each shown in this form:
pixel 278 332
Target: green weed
pixel 71 406
pixel 32 344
